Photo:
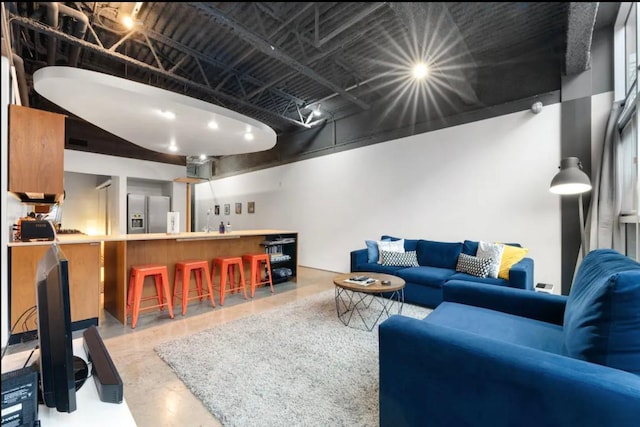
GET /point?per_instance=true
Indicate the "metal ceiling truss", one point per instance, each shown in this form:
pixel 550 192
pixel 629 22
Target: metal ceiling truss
pixel 269 49
pixel 127 60
pixel 189 70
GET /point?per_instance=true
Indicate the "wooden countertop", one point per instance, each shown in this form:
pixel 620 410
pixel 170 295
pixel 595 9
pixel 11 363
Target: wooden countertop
pixel 199 235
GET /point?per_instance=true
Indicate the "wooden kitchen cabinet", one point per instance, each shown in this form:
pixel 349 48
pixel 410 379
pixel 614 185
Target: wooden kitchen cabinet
pixel 84 283
pixel 36 151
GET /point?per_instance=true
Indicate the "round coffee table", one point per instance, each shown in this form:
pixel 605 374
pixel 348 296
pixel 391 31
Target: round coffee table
pixel 369 303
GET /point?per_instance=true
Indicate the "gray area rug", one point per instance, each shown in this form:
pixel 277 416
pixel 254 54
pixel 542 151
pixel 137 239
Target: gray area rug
pixel 296 365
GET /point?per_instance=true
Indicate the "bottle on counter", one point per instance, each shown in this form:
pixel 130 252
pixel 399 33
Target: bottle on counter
pixel 228 226
pixel 221 228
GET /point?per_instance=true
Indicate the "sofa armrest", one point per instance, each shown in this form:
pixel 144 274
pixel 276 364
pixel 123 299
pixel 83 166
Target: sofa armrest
pixel 521 274
pixel 358 257
pixel 534 305
pixel 449 377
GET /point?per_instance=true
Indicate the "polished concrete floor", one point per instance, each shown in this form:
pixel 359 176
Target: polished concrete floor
pixel 156 397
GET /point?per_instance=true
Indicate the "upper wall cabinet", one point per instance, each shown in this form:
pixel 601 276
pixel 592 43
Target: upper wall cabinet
pixel 36 154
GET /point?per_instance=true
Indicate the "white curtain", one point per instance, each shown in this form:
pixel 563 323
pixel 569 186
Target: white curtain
pixel 603 229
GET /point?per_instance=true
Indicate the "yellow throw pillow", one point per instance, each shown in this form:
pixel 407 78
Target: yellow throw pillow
pixel 510 256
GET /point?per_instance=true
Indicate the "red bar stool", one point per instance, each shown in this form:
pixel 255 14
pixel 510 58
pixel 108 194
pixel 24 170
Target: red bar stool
pixel 227 265
pixel 137 276
pixel 183 274
pixel 256 261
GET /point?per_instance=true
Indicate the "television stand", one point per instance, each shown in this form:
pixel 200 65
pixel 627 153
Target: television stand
pixel 91 410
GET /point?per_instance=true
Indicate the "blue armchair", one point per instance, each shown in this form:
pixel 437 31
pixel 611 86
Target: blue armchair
pixel 497 356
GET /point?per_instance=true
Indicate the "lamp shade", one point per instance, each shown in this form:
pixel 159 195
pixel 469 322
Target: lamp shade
pixel 571 179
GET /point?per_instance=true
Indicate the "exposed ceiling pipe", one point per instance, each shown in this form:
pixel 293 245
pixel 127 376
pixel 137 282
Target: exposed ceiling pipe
pixel 44 29
pixel 54 9
pixel 52 21
pixel 18 63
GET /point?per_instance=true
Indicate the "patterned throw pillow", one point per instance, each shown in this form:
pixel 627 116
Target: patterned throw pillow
pixel 390 246
pixel 493 251
pixel 399 259
pixel 474 265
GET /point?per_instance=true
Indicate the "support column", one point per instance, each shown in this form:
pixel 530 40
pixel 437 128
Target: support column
pixel 575 141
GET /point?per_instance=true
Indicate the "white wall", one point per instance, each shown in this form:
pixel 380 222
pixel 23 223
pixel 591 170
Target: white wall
pixel 487 180
pixel 4 222
pixel 84 206
pixel 123 169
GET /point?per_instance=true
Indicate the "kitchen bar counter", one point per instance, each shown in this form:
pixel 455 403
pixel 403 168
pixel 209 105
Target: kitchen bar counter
pixel 120 253
pixel 168 249
pixel 84 238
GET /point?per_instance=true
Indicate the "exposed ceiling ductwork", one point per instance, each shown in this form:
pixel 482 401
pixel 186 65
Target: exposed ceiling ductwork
pixel 79 25
pixel 279 62
pixel 580 24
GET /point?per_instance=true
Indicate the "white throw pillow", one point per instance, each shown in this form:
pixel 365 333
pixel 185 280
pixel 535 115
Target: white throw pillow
pixel 493 251
pixel 391 246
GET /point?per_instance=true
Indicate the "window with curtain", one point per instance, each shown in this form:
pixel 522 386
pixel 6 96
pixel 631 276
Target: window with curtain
pixel 627 151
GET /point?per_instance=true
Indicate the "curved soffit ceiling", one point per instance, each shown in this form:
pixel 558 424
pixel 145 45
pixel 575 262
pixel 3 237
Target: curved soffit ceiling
pixel 151 117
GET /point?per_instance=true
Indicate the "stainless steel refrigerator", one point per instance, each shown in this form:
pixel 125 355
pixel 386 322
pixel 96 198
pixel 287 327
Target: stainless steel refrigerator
pixel 147 214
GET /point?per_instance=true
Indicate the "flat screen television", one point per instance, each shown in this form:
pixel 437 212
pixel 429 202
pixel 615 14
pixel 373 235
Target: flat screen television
pixel 57 378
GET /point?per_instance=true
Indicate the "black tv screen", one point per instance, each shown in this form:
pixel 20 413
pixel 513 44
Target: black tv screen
pixel 57 381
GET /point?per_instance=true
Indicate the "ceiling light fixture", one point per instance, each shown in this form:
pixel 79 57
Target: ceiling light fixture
pixel 131 111
pixel 420 71
pixel 316 111
pixel 127 21
pixel 173 147
pixel 130 20
pixel 203 156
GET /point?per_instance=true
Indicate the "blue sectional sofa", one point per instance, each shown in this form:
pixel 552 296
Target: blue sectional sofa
pixel 497 356
pixel 437 265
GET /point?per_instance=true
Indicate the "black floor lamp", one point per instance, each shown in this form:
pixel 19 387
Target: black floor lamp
pixel 572 180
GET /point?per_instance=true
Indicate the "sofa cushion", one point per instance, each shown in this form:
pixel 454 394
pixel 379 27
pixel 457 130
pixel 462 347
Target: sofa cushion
pixel 438 254
pixel 426 276
pixel 409 244
pixel 399 259
pixel 499 326
pixel 473 265
pixel 602 316
pixel 491 251
pixel 389 246
pixel 470 278
pixel 374 267
pixel 470 247
pixel 511 255
pixel 372 250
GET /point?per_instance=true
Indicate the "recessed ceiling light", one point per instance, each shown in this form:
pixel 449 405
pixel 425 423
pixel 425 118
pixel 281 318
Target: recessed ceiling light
pixel 203 156
pixel 420 70
pixel 170 115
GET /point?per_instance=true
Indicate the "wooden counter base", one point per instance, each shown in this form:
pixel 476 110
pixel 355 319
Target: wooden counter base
pixel 120 256
pixel 120 253
pixel 84 282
